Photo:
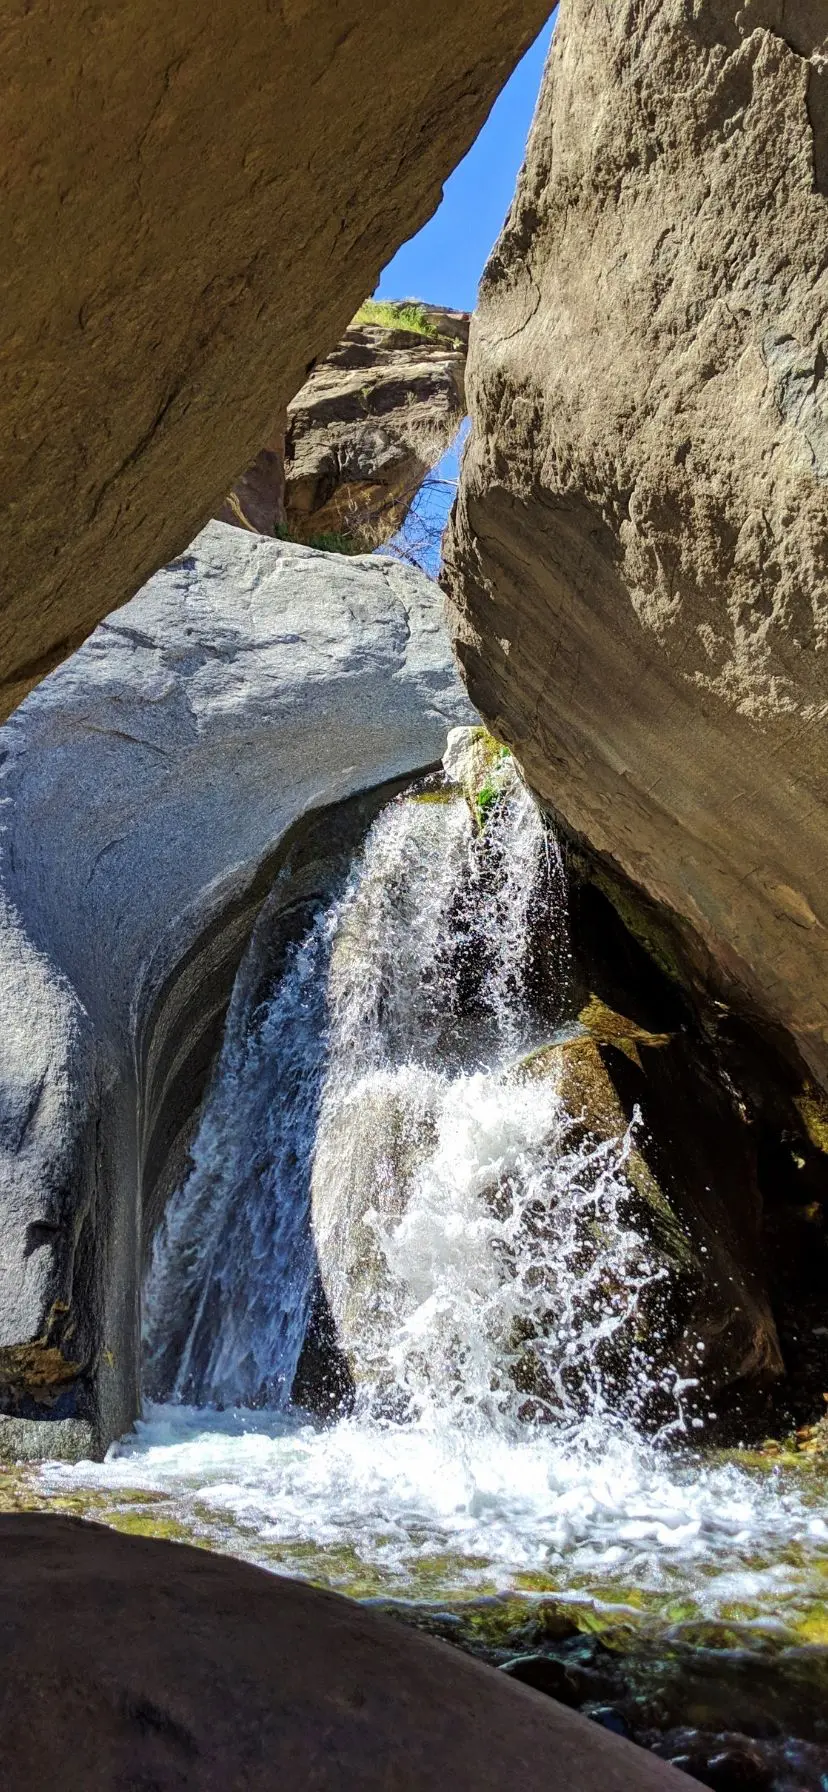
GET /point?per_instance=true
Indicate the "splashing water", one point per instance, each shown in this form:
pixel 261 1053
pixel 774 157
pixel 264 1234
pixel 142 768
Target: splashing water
pixel 377 1129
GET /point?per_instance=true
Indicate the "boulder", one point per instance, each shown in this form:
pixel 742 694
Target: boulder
pixel 196 201
pixel 369 425
pixel 638 556
pixel 170 1667
pixel 375 417
pixel 151 789
pixel 695 1205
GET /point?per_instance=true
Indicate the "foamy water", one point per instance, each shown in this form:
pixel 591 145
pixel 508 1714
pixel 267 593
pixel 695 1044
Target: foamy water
pixel 587 1520
pixel 372 1128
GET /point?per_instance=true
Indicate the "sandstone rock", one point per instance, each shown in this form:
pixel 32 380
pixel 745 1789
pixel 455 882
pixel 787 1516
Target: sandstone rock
pixel 372 420
pixel 639 550
pixel 133 1662
pixel 150 790
pixel 367 427
pixel 195 203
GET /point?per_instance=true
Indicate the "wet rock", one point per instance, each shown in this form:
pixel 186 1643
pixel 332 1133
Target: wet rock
pixel 735 1768
pixel 198 203
pixel 725 1764
pixel 479 766
pixel 610 1719
pixel 637 558
pixel 567 1682
pixel 711 1314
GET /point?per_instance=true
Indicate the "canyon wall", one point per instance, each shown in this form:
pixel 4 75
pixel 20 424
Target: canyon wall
pixel 195 201
pixel 638 559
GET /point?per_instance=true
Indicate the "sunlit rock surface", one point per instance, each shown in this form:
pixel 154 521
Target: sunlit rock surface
pixel 197 201
pixel 373 419
pixel 147 788
pixel 639 553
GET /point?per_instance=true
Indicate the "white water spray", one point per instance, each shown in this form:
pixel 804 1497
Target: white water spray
pixel 374 1128
pixel 373 1125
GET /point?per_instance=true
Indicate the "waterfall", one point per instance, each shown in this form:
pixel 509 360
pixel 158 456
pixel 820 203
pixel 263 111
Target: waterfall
pixel 409 1322
pixel 378 1134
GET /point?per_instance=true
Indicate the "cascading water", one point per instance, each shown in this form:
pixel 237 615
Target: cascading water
pixel 376 1128
pixel 385 1142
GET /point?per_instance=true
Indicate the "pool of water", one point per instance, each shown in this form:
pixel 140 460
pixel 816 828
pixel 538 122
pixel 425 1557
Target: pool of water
pixel 681 1598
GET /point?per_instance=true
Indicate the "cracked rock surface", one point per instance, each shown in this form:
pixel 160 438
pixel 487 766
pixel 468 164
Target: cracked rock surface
pixel 639 557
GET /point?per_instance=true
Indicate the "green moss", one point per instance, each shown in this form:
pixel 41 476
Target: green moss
pixel 812 1107
pixel 152 1524
pixel 491 759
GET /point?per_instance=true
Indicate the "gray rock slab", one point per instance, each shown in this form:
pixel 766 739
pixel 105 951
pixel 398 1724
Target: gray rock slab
pixel 144 790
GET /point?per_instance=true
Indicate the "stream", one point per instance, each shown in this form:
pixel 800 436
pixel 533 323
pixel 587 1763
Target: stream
pixel 400 1323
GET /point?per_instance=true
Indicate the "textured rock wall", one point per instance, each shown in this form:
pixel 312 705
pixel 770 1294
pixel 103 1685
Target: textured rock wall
pixel 640 548
pixel 371 422
pixel 360 437
pixel 195 199
pixel 148 788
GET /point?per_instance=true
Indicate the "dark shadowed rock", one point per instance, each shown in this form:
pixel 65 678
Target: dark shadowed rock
pixel 639 552
pixel 128 1662
pixel 257 501
pixel 195 201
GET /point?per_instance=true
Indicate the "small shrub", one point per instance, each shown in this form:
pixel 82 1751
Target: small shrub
pixel 398 314
pixel 334 542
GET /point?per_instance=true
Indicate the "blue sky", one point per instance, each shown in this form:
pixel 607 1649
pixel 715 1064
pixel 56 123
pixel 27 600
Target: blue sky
pixel 444 261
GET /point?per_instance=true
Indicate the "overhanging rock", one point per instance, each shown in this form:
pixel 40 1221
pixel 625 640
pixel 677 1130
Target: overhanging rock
pixel 195 200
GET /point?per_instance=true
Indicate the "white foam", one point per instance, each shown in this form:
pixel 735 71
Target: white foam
pixel 496 1509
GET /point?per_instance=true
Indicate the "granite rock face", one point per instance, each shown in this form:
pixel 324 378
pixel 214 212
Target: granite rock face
pixel 375 417
pixel 640 548
pixel 173 1667
pixel 148 790
pixel 195 202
